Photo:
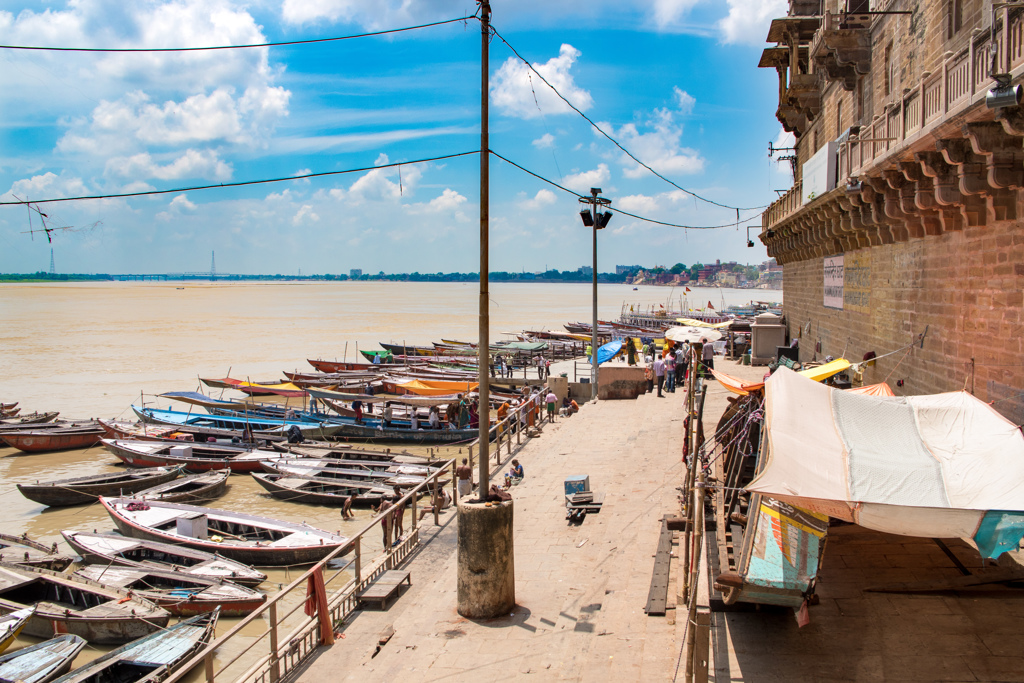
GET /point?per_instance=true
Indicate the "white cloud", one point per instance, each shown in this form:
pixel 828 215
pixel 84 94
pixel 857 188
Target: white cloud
pixel 782 141
pixel 544 141
pixel 543 198
pixel 449 200
pixel 182 203
pixel 380 183
pixel 46 186
pixel 637 203
pixel 304 216
pixel 191 164
pixel 584 180
pixel 684 101
pixel 748 20
pixel 514 87
pixel 669 12
pixel 660 148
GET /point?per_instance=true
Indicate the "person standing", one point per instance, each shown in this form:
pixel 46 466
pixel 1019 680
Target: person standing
pixel 434 418
pixel 659 374
pixel 670 373
pixel 398 515
pixel 708 356
pixel 631 351
pixel 385 523
pixel 540 368
pixel 387 415
pixel 464 473
pixel 550 399
pixel 680 365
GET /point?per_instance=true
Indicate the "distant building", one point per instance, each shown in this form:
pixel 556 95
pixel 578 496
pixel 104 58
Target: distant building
pixel 627 270
pixel 586 270
pixel 355 273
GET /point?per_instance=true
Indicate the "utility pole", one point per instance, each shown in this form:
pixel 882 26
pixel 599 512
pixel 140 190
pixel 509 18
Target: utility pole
pixel 598 220
pixel 484 344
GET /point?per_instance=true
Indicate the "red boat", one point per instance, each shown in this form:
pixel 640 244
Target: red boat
pixel 60 439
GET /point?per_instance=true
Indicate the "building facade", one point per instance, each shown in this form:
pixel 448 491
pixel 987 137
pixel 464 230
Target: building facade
pixel 905 213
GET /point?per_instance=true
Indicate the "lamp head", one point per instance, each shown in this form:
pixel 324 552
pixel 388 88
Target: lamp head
pixel 587 218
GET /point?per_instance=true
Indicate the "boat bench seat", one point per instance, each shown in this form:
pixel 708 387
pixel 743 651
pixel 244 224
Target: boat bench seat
pixel 386 587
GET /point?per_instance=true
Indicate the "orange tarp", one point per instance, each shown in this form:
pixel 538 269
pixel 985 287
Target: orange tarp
pixel 882 389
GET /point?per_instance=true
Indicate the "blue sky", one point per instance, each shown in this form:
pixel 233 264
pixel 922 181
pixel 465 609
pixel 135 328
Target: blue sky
pixel 675 81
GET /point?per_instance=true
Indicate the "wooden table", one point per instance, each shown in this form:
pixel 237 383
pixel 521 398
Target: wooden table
pixel 387 586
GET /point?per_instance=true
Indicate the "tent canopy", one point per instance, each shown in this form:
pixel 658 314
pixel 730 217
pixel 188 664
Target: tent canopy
pixel 944 465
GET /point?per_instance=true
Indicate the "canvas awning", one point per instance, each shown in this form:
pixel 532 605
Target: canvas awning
pixel 197 399
pixel 819 373
pixel 939 466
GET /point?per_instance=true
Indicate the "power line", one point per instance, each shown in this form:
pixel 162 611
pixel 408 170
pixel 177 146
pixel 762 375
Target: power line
pixel 235 47
pixel 625 213
pixel 613 140
pixel 303 176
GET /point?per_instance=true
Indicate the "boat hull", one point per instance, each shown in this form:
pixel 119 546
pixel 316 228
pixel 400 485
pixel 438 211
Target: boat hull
pixel 32 442
pixel 68 492
pixel 248 553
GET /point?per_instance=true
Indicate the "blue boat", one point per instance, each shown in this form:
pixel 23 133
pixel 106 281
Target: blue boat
pixel 42 662
pixel 251 422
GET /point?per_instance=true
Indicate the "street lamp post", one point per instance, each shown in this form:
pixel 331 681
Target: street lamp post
pixel 592 218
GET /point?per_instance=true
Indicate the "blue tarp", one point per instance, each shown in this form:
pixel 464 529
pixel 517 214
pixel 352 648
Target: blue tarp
pixel 609 351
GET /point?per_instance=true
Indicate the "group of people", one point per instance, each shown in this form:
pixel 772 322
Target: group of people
pixel 670 368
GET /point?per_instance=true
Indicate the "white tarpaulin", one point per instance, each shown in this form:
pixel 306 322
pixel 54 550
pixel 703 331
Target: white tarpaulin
pixel 945 465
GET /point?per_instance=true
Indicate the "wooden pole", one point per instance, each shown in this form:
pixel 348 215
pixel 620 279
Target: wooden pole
pixel 484 342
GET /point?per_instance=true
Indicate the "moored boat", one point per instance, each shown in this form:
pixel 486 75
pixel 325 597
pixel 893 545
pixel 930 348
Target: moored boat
pixel 182 596
pixel 193 457
pixel 191 489
pixel 314 491
pixel 11 423
pixel 114 549
pixel 42 662
pixel 83 490
pixel 58 439
pixel 67 604
pixel 23 550
pixel 12 624
pixel 251 539
pixel 149 659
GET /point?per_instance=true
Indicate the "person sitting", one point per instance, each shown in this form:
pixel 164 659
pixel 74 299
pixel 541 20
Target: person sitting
pixel 439 502
pixel 434 418
pixel 566 409
pixel 515 475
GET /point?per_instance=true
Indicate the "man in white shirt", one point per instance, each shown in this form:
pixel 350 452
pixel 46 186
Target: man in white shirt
pixel 659 373
pixel 708 357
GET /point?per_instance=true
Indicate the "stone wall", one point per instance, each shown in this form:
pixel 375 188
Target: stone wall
pixel 965 287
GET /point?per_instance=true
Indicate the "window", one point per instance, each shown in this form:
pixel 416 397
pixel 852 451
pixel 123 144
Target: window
pixel 839 117
pixel 956 17
pixel 889 77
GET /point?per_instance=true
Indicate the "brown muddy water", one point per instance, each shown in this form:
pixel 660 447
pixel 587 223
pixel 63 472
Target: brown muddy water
pixel 91 349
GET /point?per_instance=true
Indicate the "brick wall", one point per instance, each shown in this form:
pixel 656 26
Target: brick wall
pixel 966 287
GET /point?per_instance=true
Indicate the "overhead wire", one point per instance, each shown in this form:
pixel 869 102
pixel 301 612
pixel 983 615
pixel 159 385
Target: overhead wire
pixel 625 213
pixel 612 139
pixel 264 181
pixel 282 43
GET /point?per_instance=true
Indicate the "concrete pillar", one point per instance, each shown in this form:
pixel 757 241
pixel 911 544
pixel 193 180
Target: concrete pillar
pixel 486 561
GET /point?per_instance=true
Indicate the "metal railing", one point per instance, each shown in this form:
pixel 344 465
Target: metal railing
pixel 284 654
pixel 961 80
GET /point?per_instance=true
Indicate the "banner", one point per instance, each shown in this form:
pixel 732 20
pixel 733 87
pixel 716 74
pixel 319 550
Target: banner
pixel 834 282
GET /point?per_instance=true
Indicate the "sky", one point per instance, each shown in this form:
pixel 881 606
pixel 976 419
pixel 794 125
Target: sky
pixel 675 82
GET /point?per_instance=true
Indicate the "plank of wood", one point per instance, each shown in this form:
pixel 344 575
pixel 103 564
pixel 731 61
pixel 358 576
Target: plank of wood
pixel 657 597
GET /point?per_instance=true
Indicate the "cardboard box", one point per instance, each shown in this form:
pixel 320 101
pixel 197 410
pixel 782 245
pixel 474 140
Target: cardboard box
pixel 577 484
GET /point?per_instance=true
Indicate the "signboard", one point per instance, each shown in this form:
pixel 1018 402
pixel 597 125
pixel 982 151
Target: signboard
pixel 834 282
pixel 819 172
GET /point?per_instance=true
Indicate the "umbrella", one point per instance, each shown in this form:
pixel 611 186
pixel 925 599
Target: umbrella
pixel 688 335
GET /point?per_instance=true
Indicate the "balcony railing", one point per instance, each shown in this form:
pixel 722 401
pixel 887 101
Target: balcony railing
pixel 961 80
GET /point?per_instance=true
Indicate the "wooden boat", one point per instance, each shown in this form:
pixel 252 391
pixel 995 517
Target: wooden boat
pixel 182 596
pixel 83 490
pixel 191 489
pixel 116 429
pixel 12 624
pixel 150 659
pixel 193 457
pixel 23 550
pixel 8 406
pixel 321 491
pixel 357 432
pixel 12 412
pixel 336 469
pixel 339 366
pixel 30 419
pixel 60 439
pixel 256 388
pixel 251 539
pixel 67 604
pixel 113 549
pixel 43 662
pixel 175 418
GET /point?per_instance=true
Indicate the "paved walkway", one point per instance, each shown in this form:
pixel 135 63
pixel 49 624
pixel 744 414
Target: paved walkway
pixel 581 590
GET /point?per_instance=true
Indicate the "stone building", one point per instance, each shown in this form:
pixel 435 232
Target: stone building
pixel 905 213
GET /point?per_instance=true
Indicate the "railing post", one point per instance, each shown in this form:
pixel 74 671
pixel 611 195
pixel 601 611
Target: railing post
pixel 275 665
pixel 359 561
pixel 208 663
pixel 436 504
pixel 412 507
